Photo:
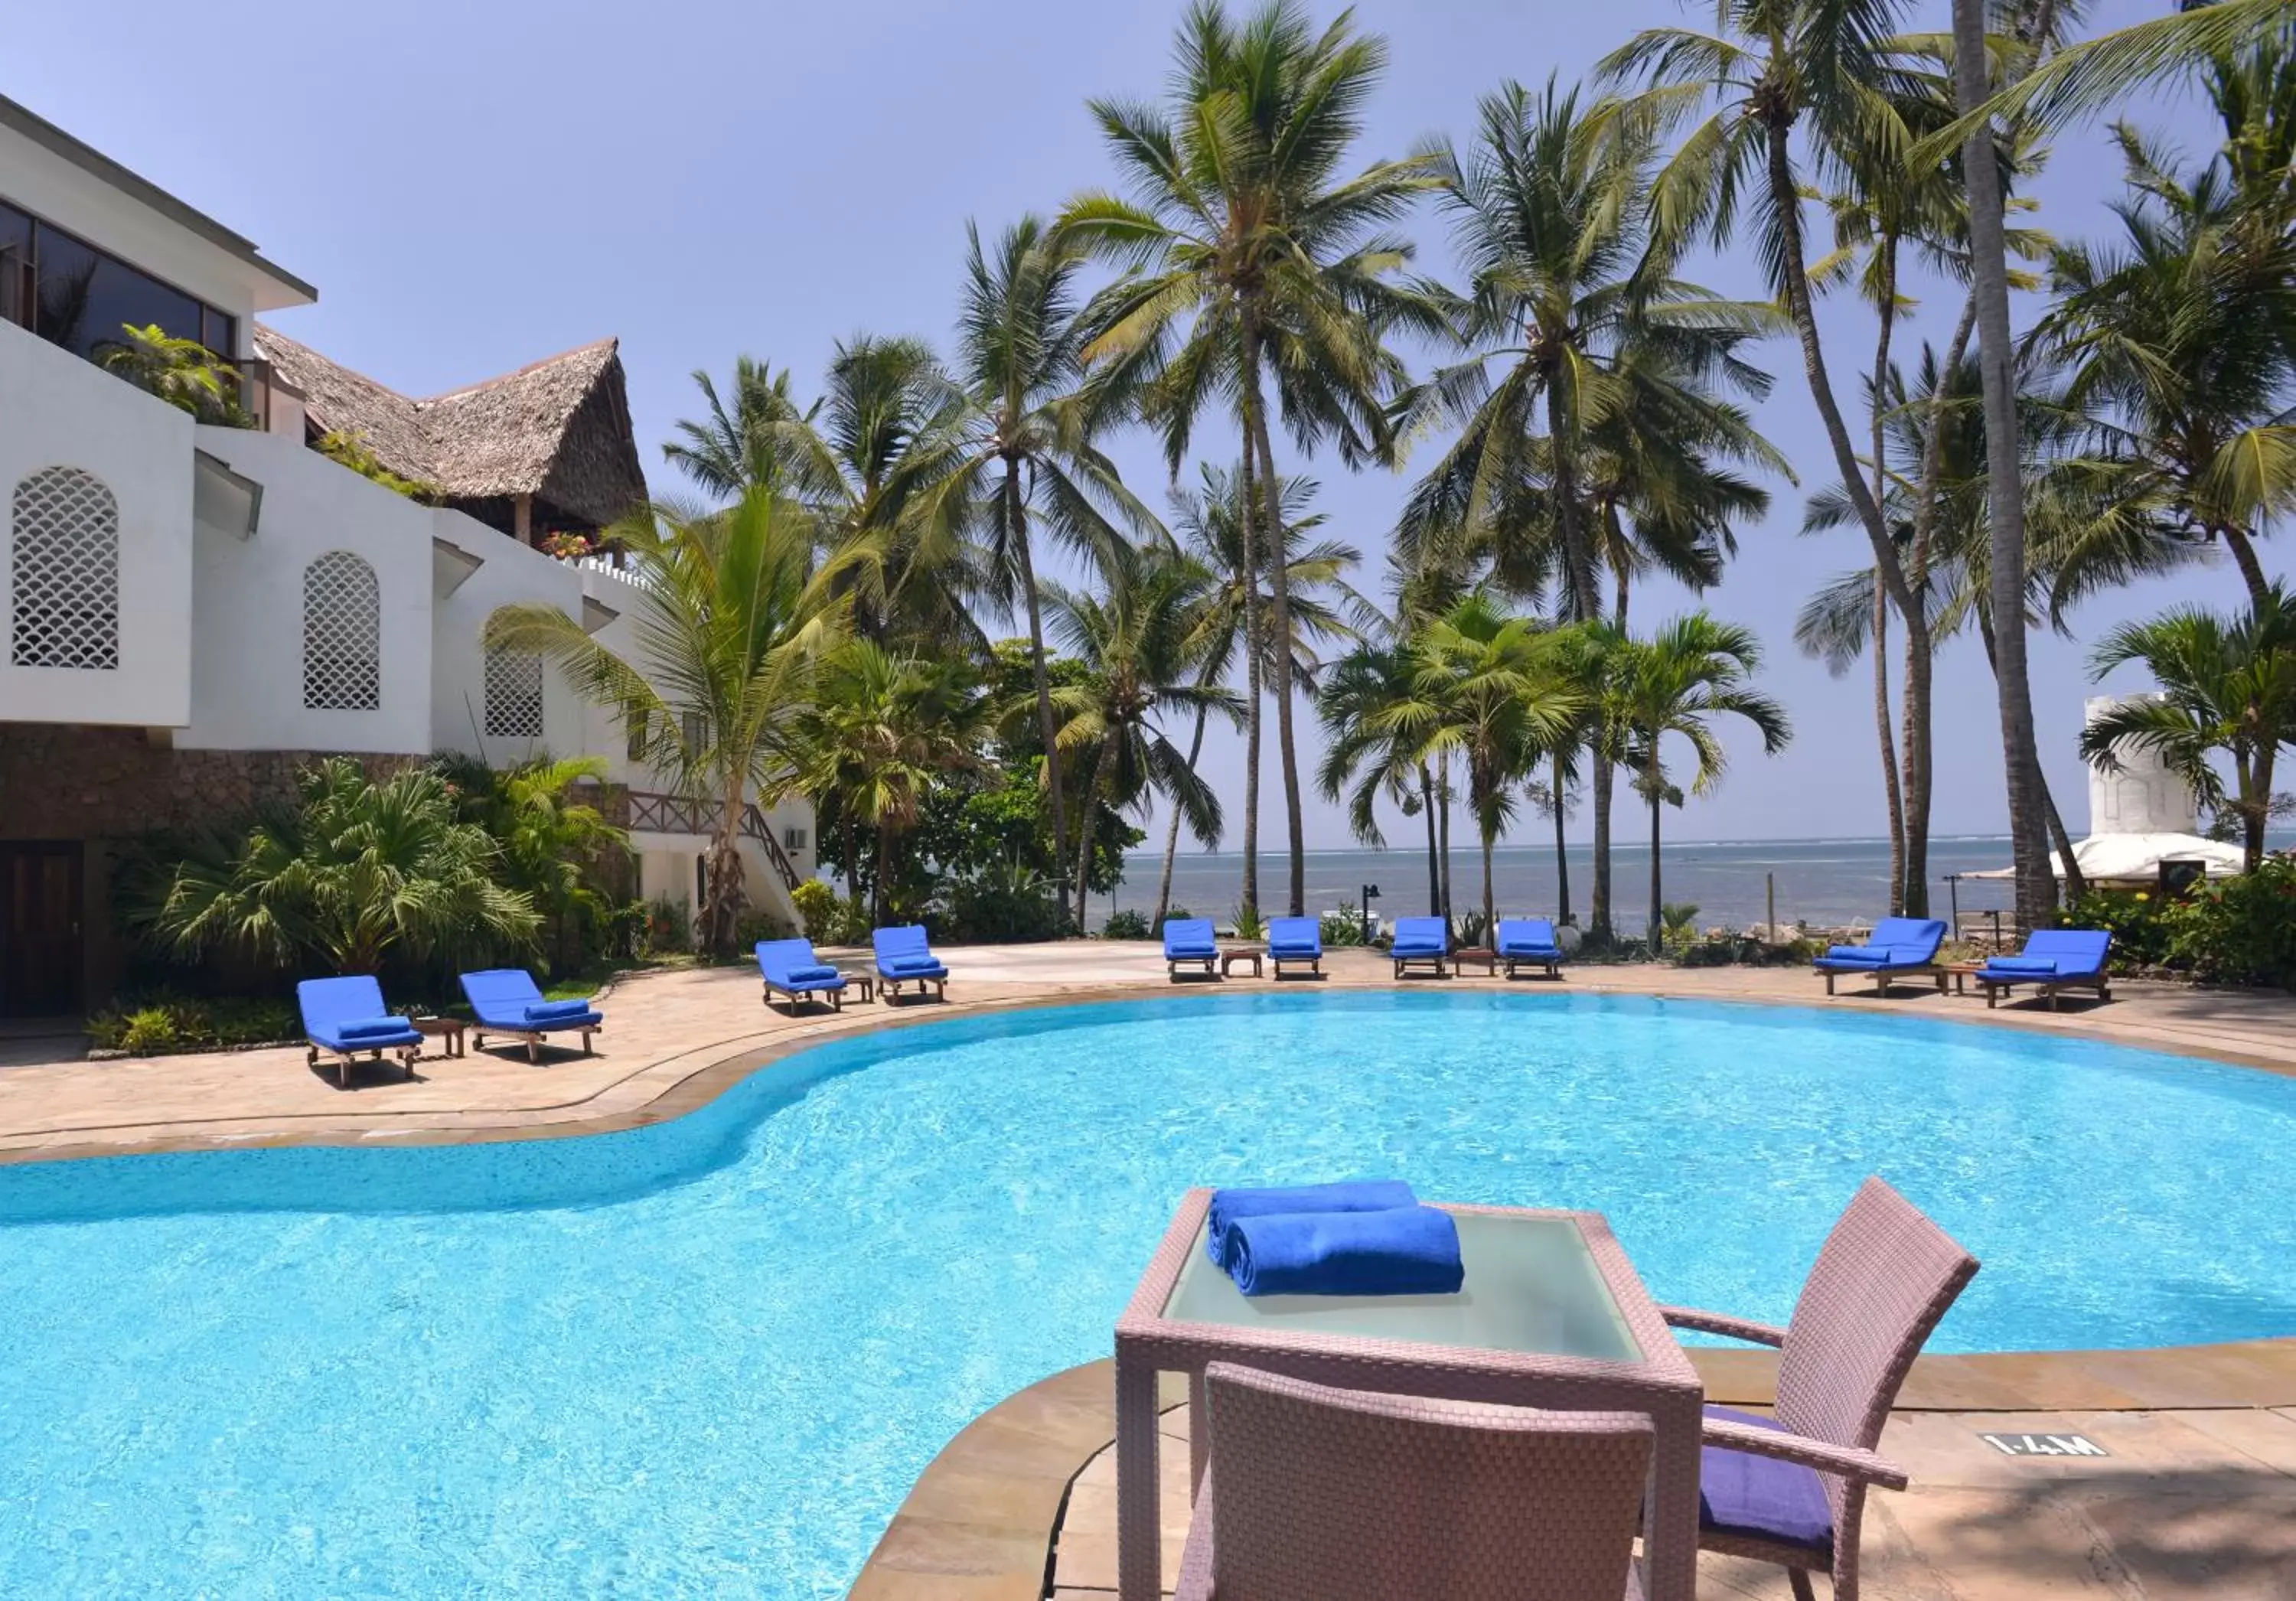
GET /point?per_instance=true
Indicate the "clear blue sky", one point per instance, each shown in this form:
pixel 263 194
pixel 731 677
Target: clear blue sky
pixel 473 187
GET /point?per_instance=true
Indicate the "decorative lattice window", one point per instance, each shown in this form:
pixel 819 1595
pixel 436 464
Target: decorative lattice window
pixel 65 550
pixel 342 635
pixel 513 695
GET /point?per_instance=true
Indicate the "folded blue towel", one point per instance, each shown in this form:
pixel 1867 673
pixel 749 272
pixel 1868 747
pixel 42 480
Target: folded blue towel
pixel 814 974
pixel 2040 967
pixel 1407 1251
pixel 1367 1195
pixel 371 1028
pixel 555 1011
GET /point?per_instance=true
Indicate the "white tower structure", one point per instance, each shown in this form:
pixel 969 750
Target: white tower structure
pixel 2142 795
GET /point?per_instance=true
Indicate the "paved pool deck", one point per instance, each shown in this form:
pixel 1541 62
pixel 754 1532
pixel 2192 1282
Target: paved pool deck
pixel 2197 1496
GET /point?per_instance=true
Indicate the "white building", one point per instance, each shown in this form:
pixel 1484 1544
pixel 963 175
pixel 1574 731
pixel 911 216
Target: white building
pixel 192 612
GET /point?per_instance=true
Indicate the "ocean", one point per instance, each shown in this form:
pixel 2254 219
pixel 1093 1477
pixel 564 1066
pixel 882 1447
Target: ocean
pixel 1824 883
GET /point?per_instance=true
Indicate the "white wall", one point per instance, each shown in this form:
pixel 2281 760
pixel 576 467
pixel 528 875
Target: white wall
pixel 38 180
pixel 247 653
pixel 511 574
pixel 56 409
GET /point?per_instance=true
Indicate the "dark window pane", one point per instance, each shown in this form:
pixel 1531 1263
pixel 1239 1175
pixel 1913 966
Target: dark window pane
pixel 16 294
pixel 67 274
pixel 222 335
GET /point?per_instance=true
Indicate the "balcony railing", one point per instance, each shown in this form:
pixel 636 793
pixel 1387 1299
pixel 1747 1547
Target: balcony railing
pixel 652 812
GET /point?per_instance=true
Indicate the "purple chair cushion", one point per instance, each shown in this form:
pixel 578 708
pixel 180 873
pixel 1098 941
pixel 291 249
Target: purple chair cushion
pixel 1762 1497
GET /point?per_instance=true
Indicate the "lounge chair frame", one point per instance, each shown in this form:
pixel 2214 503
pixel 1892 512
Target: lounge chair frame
pixel 834 992
pixel 345 1060
pixel 1210 965
pixel 1314 963
pixel 1441 961
pixel 535 1037
pixel 815 988
pixel 1996 988
pixel 1885 977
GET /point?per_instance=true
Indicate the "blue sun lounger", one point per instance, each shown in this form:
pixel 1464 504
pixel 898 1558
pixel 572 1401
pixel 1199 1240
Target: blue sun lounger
pixel 506 1000
pixel 790 966
pixel 1420 941
pixel 1189 941
pixel 345 1017
pixel 1900 947
pixel 903 958
pixel 1296 939
pixel 1529 942
pixel 2053 959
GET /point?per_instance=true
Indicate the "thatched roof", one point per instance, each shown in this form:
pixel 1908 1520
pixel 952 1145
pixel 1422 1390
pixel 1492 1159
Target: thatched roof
pixel 559 430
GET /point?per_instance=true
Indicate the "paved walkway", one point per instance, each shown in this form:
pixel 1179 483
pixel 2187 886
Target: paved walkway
pixel 669 1037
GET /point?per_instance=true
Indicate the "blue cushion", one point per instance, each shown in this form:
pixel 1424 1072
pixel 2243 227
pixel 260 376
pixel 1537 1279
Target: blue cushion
pixel 1761 1497
pixel 912 964
pixel 371 1028
pixel 2072 949
pixel 557 1011
pixel 2035 966
pixel 1871 956
pixel 817 972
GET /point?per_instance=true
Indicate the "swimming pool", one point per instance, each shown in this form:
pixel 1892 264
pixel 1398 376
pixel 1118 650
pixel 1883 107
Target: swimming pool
pixel 709 1357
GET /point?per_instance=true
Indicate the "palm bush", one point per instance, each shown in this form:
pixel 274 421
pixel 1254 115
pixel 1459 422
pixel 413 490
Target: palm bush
pixel 356 872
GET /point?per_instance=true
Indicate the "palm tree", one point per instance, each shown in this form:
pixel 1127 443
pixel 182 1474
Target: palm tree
pixel 881 732
pixel 1487 687
pixel 183 372
pixel 1692 672
pixel 2227 687
pixel 1210 522
pixel 1369 754
pixel 1141 643
pixel 763 436
pixel 554 839
pixel 1603 357
pixel 354 872
pixel 1829 66
pixel 1258 263
pixel 729 622
pixel 1026 456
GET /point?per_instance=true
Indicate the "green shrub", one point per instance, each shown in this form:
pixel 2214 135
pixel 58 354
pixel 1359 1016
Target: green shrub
pixel 1474 930
pixel 1130 925
pixel 754 926
pixel 1344 927
pixel 830 918
pixel 1004 903
pixel 2141 923
pixel 668 929
pixel 2239 931
pixel 159 1025
pixel 1250 924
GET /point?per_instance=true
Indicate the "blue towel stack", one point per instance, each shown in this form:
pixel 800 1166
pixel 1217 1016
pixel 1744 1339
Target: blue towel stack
pixel 1368 1238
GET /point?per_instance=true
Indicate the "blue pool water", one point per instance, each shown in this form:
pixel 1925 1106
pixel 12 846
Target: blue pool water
pixel 708 1358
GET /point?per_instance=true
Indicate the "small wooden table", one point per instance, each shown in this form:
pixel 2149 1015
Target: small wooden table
pixel 1484 953
pixel 1231 955
pixel 1958 974
pixel 447 1029
pixel 866 982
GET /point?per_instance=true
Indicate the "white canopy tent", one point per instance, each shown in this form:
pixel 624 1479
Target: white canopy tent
pixel 2136 858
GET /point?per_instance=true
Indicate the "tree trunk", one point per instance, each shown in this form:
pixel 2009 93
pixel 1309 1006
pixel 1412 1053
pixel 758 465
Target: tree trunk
pixel 1279 620
pixel 1490 839
pixel 1880 405
pixel 2258 814
pixel 1434 848
pixel 1016 523
pixel 2251 571
pixel 1443 788
pixel 1172 833
pixel 1562 852
pixel 1599 911
pixel 883 894
pixel 1089 795
pixel 1658 900
pixel 1250 516
pixel 2028 837
pixel 2076 885
pixel 1585 604
pixel 1920 658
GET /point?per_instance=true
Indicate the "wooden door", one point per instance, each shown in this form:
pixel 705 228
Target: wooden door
pixel 41 955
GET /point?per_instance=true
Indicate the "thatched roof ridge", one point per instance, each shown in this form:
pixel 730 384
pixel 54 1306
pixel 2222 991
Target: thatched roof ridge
pixel 557 428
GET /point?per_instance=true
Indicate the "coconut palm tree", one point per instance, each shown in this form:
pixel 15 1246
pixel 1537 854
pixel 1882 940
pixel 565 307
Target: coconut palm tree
pixel 1026 457
pixel 2227 689
pixel 1258 264
pixel 1585 404
pixel 1836 69
pixel 1210 522
pixel 881 732
pixel 1487 687
pixel 762 435
pixel 1369 755
pixel 1692 672
pixel 730 622
pixel 1142 643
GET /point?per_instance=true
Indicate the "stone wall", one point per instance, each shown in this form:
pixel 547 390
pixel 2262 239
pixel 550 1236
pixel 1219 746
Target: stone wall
pixel 69 782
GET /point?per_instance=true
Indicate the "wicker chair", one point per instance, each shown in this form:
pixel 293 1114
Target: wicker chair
pixel 1791 1489
pixel 1339 1495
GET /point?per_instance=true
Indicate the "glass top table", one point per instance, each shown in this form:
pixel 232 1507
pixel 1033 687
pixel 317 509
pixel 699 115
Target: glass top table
pixel 1531 1285
pixel 1552 1315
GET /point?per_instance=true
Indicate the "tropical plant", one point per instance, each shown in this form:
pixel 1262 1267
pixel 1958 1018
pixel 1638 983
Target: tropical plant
pixel 1259 264
pixel 1210 522
pixel 2227 690
pixel 881 731
pixel 728 622
pixel 762 438
pixel 1691 672
pixel 555 845
pixel 1372 751
pixel 1487 687
pixel 1142 647
pixel 182 372
pixel 348 449
pixel 357 870
pixel 1130 924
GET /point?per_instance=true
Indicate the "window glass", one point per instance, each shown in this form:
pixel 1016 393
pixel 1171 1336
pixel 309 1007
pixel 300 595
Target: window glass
pixel 222 335
pixel 121 298
pixel 15 267
pixel 67 277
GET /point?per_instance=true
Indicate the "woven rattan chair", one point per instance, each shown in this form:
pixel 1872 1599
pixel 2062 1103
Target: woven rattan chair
pixel 1791 1489
pixel 1315 1494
